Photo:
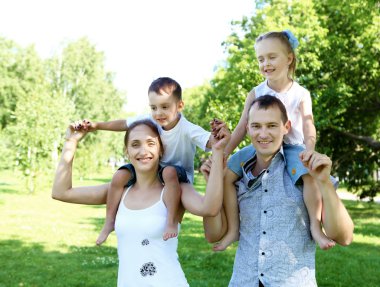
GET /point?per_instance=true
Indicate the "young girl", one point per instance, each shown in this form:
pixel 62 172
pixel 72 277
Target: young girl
pixel 277 63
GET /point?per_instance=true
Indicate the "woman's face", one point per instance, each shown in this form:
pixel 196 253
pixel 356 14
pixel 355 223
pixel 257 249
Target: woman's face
pixel 143 148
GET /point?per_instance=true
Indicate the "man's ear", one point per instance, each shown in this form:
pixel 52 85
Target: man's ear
pixel 287 126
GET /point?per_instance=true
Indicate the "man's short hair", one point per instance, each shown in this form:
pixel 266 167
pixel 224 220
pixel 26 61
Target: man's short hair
pixel 168 85
pixel 268 101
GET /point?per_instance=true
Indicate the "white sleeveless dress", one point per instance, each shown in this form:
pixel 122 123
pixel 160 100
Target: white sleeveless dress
pixel 145 259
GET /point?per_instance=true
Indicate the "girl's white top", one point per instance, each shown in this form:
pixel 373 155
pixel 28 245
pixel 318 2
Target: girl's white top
pixel 292 100
pixel 145 259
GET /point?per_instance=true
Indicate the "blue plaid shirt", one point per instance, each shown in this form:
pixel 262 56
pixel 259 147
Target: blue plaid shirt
pixel 275 244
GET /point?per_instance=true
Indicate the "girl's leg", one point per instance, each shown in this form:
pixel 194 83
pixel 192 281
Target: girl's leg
pixel 313 202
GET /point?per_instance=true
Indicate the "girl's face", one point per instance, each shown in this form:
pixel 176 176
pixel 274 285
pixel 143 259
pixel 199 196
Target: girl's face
pixel 144 149
pixel 273 58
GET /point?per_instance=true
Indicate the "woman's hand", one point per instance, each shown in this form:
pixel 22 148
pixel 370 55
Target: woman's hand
pixel 221 134
pixel 74 132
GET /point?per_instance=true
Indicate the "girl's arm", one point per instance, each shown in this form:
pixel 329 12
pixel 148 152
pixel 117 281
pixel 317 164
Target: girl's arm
pixel 309 131
pixel 62 186
pixel 211 202
pixel 240 130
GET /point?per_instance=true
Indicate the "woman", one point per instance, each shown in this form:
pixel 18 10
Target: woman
pixel 144 258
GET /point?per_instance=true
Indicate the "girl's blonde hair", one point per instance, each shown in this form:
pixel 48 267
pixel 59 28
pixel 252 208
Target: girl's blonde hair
pixel 284 39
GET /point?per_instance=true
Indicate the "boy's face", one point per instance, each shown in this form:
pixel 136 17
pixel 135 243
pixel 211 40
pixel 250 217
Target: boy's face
pixel 266 130
pixel 165 109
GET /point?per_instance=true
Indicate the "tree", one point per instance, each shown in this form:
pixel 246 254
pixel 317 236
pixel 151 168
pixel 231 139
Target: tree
pixel 78 75
pixel 337 61
pixel 40 98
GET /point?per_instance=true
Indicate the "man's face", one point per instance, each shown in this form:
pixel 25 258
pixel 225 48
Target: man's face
pixel 266 130
pixel 165 109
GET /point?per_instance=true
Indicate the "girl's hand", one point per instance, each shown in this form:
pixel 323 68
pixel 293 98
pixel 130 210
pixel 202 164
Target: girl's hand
pixel 319 165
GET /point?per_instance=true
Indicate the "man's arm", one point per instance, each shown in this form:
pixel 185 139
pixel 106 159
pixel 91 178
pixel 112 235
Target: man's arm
pixel 62 185
pixel 337 223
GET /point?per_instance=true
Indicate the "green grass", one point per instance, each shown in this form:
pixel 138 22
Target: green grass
pixel 44 242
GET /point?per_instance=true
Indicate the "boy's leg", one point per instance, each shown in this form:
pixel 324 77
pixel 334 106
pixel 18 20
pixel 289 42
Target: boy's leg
pixel 173 198
pixel 231 210
pixel 119 180
pixel 313 201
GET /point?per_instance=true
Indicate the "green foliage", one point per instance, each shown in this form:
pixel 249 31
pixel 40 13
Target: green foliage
pixel 40 98
pixel 337 61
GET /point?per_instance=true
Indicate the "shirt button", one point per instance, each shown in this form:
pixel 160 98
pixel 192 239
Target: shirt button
pixel 266 190
pixel 264 232
pixel 267 170
pixel 262 274
pixel 265 211
pixel 262 253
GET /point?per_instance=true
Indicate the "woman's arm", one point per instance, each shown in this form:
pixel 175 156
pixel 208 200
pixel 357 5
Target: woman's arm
pixel 211 202
pixel 62 185
pixel 240 130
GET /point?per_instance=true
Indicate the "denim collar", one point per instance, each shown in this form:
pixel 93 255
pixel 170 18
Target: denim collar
pixel 251 181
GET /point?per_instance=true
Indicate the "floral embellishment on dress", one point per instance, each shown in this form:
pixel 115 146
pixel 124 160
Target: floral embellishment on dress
pixel 145 242
pixel 148 269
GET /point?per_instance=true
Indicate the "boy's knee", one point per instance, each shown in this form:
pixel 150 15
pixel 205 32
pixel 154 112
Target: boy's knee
pixel 169 173
pixel 121 178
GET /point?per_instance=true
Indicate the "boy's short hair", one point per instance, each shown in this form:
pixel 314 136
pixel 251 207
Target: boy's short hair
pixel 268 101
pixel 168 85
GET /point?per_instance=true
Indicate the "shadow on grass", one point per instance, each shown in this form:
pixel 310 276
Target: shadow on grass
pixel 29 264
pixel 8 190
pixel 349 266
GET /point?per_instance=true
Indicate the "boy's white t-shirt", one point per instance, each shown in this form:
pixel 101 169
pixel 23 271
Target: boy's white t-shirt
pixel 180 143
pixel 292 100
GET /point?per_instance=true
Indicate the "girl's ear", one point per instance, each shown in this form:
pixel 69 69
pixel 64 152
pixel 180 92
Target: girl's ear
pixel 290 58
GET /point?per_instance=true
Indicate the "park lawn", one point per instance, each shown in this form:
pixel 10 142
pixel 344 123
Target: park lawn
pixel 44 242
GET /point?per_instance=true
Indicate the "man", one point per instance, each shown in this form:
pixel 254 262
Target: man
pixel 275 245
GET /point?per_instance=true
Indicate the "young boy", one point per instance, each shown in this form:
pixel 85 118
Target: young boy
pixel 165 101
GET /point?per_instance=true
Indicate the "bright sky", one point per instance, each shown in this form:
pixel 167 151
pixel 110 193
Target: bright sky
pixel 141 39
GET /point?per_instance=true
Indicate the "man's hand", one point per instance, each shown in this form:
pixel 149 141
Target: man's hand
pixel 319 165
pixel 205 168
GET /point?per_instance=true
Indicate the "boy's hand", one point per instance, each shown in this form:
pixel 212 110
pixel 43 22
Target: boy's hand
pixel 73 134
pixel 85 125
pixel 221 134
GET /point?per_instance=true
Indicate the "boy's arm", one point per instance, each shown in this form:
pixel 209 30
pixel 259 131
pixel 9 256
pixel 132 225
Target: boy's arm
pixel 240 130
pixel 309 131
pixel 116 126
pixel 62 186
pixel 337 223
